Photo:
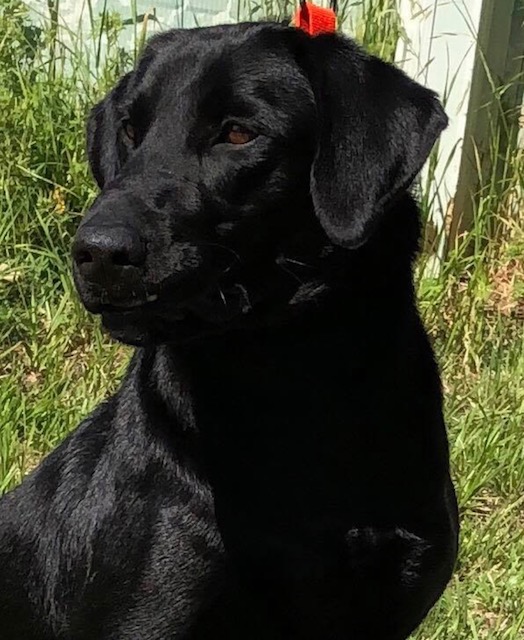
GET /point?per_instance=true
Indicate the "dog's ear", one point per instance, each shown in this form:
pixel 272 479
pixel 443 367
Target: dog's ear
pixel 105 151
pixel 376 129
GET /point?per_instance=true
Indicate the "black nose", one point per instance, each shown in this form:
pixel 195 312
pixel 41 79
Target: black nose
pixel 100 252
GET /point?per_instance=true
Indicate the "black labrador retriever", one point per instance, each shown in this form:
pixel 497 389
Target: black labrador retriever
pixel 275 463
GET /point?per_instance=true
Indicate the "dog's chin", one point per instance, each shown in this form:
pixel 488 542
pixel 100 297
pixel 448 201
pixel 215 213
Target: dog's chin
pixel 126 330
pixel 143 330
pixel 143 327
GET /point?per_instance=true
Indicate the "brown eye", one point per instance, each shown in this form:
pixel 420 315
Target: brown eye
pixel 236 134
pixel 129 131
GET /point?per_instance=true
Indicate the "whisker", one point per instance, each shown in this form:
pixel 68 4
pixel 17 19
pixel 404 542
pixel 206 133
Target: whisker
pixel 224 300
pixel 247 306
pixel 279 261
pixel 302 264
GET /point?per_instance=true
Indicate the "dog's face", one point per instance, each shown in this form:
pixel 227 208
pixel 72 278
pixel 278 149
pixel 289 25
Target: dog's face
pixel 226 155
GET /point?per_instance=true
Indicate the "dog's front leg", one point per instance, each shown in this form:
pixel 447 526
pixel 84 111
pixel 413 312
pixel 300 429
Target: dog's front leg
pixel 370 584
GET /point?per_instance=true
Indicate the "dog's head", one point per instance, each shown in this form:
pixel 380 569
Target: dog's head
pixel 221 156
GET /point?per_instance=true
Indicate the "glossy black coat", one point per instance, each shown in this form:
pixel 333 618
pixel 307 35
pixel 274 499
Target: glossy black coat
pixel 275 463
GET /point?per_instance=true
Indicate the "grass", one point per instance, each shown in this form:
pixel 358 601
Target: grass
pixel 55 364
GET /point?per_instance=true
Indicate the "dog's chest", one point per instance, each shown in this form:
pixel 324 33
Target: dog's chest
pixel 301 427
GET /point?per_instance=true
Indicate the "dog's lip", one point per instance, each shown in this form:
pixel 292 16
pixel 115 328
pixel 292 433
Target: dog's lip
pixel 127 305
pixel 133 308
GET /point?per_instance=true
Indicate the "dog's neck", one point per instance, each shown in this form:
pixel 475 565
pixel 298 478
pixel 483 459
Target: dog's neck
pixel 252 366
pixel 261 405
pixel 255 409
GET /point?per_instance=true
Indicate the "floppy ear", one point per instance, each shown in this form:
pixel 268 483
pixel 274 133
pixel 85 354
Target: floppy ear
pixel 376 130
pixel 105 151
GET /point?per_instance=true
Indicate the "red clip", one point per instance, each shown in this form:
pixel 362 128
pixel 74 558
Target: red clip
pixel 314 19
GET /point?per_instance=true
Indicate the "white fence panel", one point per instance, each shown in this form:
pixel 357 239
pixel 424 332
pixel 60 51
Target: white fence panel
pixel 438 50
pixel 466 50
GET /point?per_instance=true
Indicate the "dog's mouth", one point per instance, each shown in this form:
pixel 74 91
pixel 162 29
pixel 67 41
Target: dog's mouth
pixel 132 303
pixel 159 318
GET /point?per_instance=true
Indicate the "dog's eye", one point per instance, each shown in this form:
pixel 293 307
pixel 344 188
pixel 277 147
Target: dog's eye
pixel 129 131
pixel 237 134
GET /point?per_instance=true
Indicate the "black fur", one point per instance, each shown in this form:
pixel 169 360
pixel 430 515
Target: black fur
pixel 275 463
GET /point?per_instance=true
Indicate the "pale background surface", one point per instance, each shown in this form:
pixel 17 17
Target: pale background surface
pixel 446 45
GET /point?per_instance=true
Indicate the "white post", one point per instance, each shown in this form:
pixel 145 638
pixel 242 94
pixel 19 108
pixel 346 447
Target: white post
pixel 438 49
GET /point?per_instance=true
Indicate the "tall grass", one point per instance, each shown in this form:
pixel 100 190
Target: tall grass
pixel 55 364
pixel 48 342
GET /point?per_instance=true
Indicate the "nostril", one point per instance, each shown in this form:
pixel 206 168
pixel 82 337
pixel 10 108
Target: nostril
pixel 98 251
